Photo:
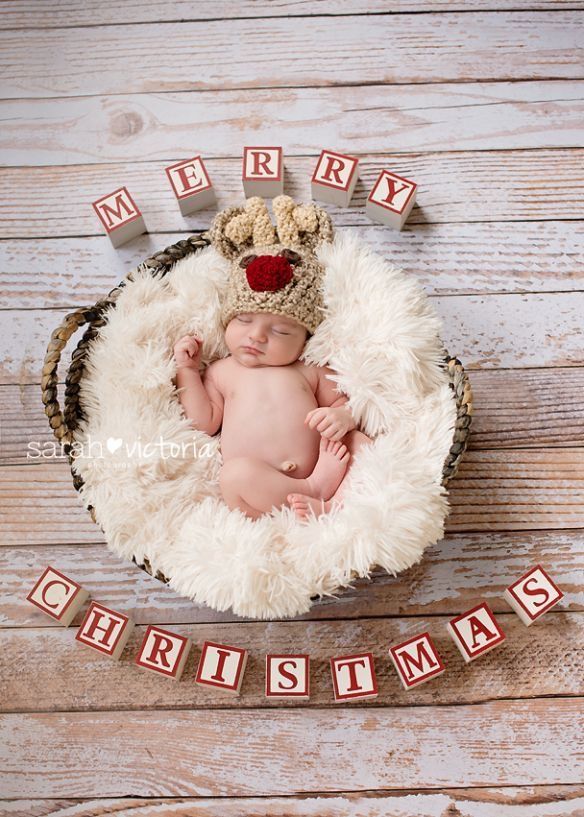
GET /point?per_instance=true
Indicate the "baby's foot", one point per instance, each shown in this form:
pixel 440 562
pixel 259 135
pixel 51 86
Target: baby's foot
pixel 333 461
pixel 302 505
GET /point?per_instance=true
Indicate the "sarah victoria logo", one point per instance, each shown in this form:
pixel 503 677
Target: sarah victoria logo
pixel 117 450
pixel 221 667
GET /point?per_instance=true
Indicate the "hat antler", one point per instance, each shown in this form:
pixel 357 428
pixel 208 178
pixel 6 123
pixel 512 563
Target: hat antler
pixel 301 224
pixel 236 228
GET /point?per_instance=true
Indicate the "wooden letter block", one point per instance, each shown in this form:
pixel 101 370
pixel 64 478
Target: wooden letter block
pixel 475 632
pixel 263 171
pixel 416 660
pixel 354 677
pixel 164 652
pixel 287 676
pixel 105 630
pixel 191 185
pixel 221 666
pixel 334 178
pixel 391 199
pixel 533 595
pixel 58 596
pixel 120 216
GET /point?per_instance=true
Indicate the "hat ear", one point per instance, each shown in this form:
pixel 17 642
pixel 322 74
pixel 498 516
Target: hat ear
pixel 301 224
pixel 238 228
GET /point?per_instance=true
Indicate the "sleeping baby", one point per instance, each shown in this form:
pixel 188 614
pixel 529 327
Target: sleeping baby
pixel 287 435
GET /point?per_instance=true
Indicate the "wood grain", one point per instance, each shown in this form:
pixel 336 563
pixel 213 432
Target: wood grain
pixel 364 119
pixel 447 259
pixel 532 662
pixel 469 186
pixel 416 48
pixel 518 801
pixel 286 751
pixel 20 14
pixel 452 576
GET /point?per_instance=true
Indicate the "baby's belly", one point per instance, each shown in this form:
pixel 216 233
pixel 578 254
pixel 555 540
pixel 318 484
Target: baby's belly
pixel 274 432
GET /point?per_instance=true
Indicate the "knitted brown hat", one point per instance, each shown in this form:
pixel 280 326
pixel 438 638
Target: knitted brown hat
pixel 273 269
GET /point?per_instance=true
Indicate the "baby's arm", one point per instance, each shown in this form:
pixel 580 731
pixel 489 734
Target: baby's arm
pixel 200 398
pixel 333 419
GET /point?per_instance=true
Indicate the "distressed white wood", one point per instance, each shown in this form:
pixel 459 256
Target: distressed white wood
pixel 432 48
pixel 364 119
pixel 286 750
pixel 447 259
pixel 514 185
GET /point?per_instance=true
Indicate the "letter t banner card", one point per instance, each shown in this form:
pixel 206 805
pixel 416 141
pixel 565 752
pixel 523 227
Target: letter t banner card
pixel 287 676
pixel 533 595
pixel 416 660
pixel 120 216
pixel 105 630
pixel 58 596
pixel 221 666
pixel 475 632
pixel 354 677
pixel 164 652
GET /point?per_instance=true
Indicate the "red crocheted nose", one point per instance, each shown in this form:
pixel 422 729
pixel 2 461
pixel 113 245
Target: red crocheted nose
pixel 268 273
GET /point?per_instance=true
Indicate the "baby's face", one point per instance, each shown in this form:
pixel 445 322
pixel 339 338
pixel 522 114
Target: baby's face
pixel 279 340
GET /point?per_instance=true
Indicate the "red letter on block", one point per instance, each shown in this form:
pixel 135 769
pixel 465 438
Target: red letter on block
pixel 164 652
pixel 334 178
pixel 533 595
pixel 416 660
pixel 105 630
pixel 475 632
pixel 58 596
pixel 287 676
pixel 354 677
pixel 221 666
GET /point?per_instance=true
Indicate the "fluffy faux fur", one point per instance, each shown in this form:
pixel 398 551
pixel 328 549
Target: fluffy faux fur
pixel 380 335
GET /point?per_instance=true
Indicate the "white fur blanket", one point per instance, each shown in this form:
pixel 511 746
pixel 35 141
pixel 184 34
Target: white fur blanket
pixel 380 335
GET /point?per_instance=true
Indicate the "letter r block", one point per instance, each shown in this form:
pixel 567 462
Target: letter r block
pixel 191 185
pixel 263 171
pixel 105 630
pixel 416 660
pixel 120 216
pixel 334 178
pixel 475 632
pixel 287 676
pixel 391 199
pixel 354 677
pixel 58 596
pixel 164 652
pixel 533 595
pixel 221 666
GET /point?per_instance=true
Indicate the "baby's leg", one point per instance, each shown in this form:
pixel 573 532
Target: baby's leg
pixel 255 486
pixel 302 504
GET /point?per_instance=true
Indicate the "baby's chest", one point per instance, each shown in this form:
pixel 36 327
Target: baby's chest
pixel 270 385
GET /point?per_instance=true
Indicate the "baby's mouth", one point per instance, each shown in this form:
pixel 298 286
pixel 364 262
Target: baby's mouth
pixel 252 350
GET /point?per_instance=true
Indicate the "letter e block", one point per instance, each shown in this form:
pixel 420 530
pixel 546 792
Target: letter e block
pixel 533 595
pixel 58 596
pixel 191 185
pixel 164 652
pixel 287 676
pixel 475 632
pixel 105 630
pixel 416 660
pixel 263 171
pixel 334 178
pixel 120 216
pixel 391 199
pixel 354 677
pixel 221 666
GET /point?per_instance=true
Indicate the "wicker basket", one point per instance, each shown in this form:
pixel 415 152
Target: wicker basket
pixel 64 423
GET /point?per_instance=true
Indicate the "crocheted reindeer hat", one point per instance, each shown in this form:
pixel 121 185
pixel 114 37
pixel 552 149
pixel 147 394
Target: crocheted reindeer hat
pixel 273 269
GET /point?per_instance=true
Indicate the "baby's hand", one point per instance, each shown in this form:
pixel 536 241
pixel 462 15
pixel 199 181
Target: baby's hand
pixel 187 352
pixel 332 423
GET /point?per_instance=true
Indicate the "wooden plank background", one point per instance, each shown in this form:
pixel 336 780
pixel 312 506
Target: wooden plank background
pixel 482 104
